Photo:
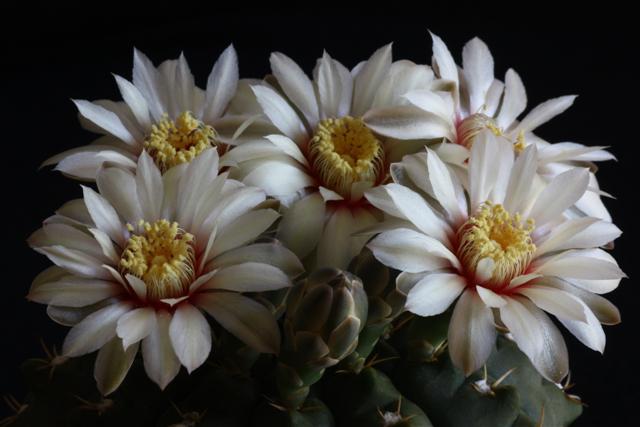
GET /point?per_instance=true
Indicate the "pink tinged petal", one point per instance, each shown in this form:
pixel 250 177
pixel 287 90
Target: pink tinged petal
pixel 482 168
pixel 484 270
pixel 200 281
pixel 248 320
pixel 138 286
pixel 561 193
pixel 135 101
pixel 414 208
pixel 514 101
pixel 73 291
pixel 444 188
pixel 150 188
pixel 302 223
pixel 296 85
pixel 221 85
pixel 136 325
pixel 434 293
pixel 472 333
pixel 411 251
pixel 160 361
pixel 537 337
pixel 369 78
pixel 521 280
pixel 245 229
pixel 275 254
pixel 443 61
pixel 477 64
pixel 112 365
pixel 94 331
pixel 75 261
pixel 248 277
pixel 105 120
pixel 334 247
pixel 522 175
pixel 104 215
pixel 561 304
pixel 280 113
pixel 408 122
pixel 191 336
pixel 329 195
pixel 490 298
pixel 544 112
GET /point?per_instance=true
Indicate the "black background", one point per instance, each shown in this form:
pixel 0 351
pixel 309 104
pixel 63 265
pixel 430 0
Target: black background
pixel 54 54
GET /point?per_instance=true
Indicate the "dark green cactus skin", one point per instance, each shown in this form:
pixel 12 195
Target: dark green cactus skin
pixel 397 372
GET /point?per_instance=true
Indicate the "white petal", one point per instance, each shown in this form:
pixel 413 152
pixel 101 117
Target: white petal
pixel 477 64
pixel 561 304
pixel 434 293
pixel 280 113
pixel 221 85
pixel 75 261
pixel 522 175
pixel 560 194
pixel 190 336
pixel 414 208
pixel 408 122
pixel 472 334
pixel 288 147
pixel 444 189
pixel 146 79
pixel 135 101
pixel 85 164
pixel 369 78
pixel 248 320
pixel 490 298
pixel 589 333
pixel 543 113
pixel 514 101
pixel 94 331
pixel 104 215
pixel 335 87
pixel 106 244
pixel 160 361
pixel 410 251
pixel 106 120
pixel 482 169
pixel 578 233
pixel 274 254
pixel 248 277
pixel 334 247
pixel 278 178
pixel 118 186
pixel 580 266
pixel 296 85
pixel 434 102
pixel 138 286
pixel 73 291
pixel 149 187
pixel 537 337
pixel 301 225
pixel 443 61
pixel 112 365
pixel 244 229
pixel 136 325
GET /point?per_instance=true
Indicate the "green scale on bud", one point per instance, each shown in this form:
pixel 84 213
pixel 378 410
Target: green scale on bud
pixel 325 315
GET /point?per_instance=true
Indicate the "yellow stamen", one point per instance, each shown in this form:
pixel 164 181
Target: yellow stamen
pixel 344 151
pixel 171 143
pixel 470 127
pixel 162 256
pixel 495 233
pixel 520 145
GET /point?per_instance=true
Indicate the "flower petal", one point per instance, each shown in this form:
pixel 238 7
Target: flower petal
pixel 244 229
pixel 561 193
pixel 472 334
pixel 221 85
pixel 369 78
pixel 434 293
pixel 104 215
pixel 544 112
pixel 106 120
pixel 408 122
pixel 302 223
pixel 71 291
pixel 280 113
pixel 514 101
pixel 296 85
pixel 136 325
pixel 248 320
pixel 477 64
pixel 112 365
pixel 190 336
pixel 248 277
pixel 160 361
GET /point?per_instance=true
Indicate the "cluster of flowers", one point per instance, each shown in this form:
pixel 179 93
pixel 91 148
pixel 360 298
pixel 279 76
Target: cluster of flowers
pixel 206 198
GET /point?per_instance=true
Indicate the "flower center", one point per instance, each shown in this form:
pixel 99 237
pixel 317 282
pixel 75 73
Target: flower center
pixel 344 151
pixel 496 234
pixel 470 127
pixel 171 143
pixel 162 256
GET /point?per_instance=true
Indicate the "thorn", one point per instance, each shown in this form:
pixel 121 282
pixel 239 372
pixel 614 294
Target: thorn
pixel 541 422
pixel 502 377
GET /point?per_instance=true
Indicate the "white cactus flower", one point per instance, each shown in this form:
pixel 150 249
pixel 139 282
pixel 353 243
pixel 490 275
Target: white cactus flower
pixel 137 261
pixel 502 249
